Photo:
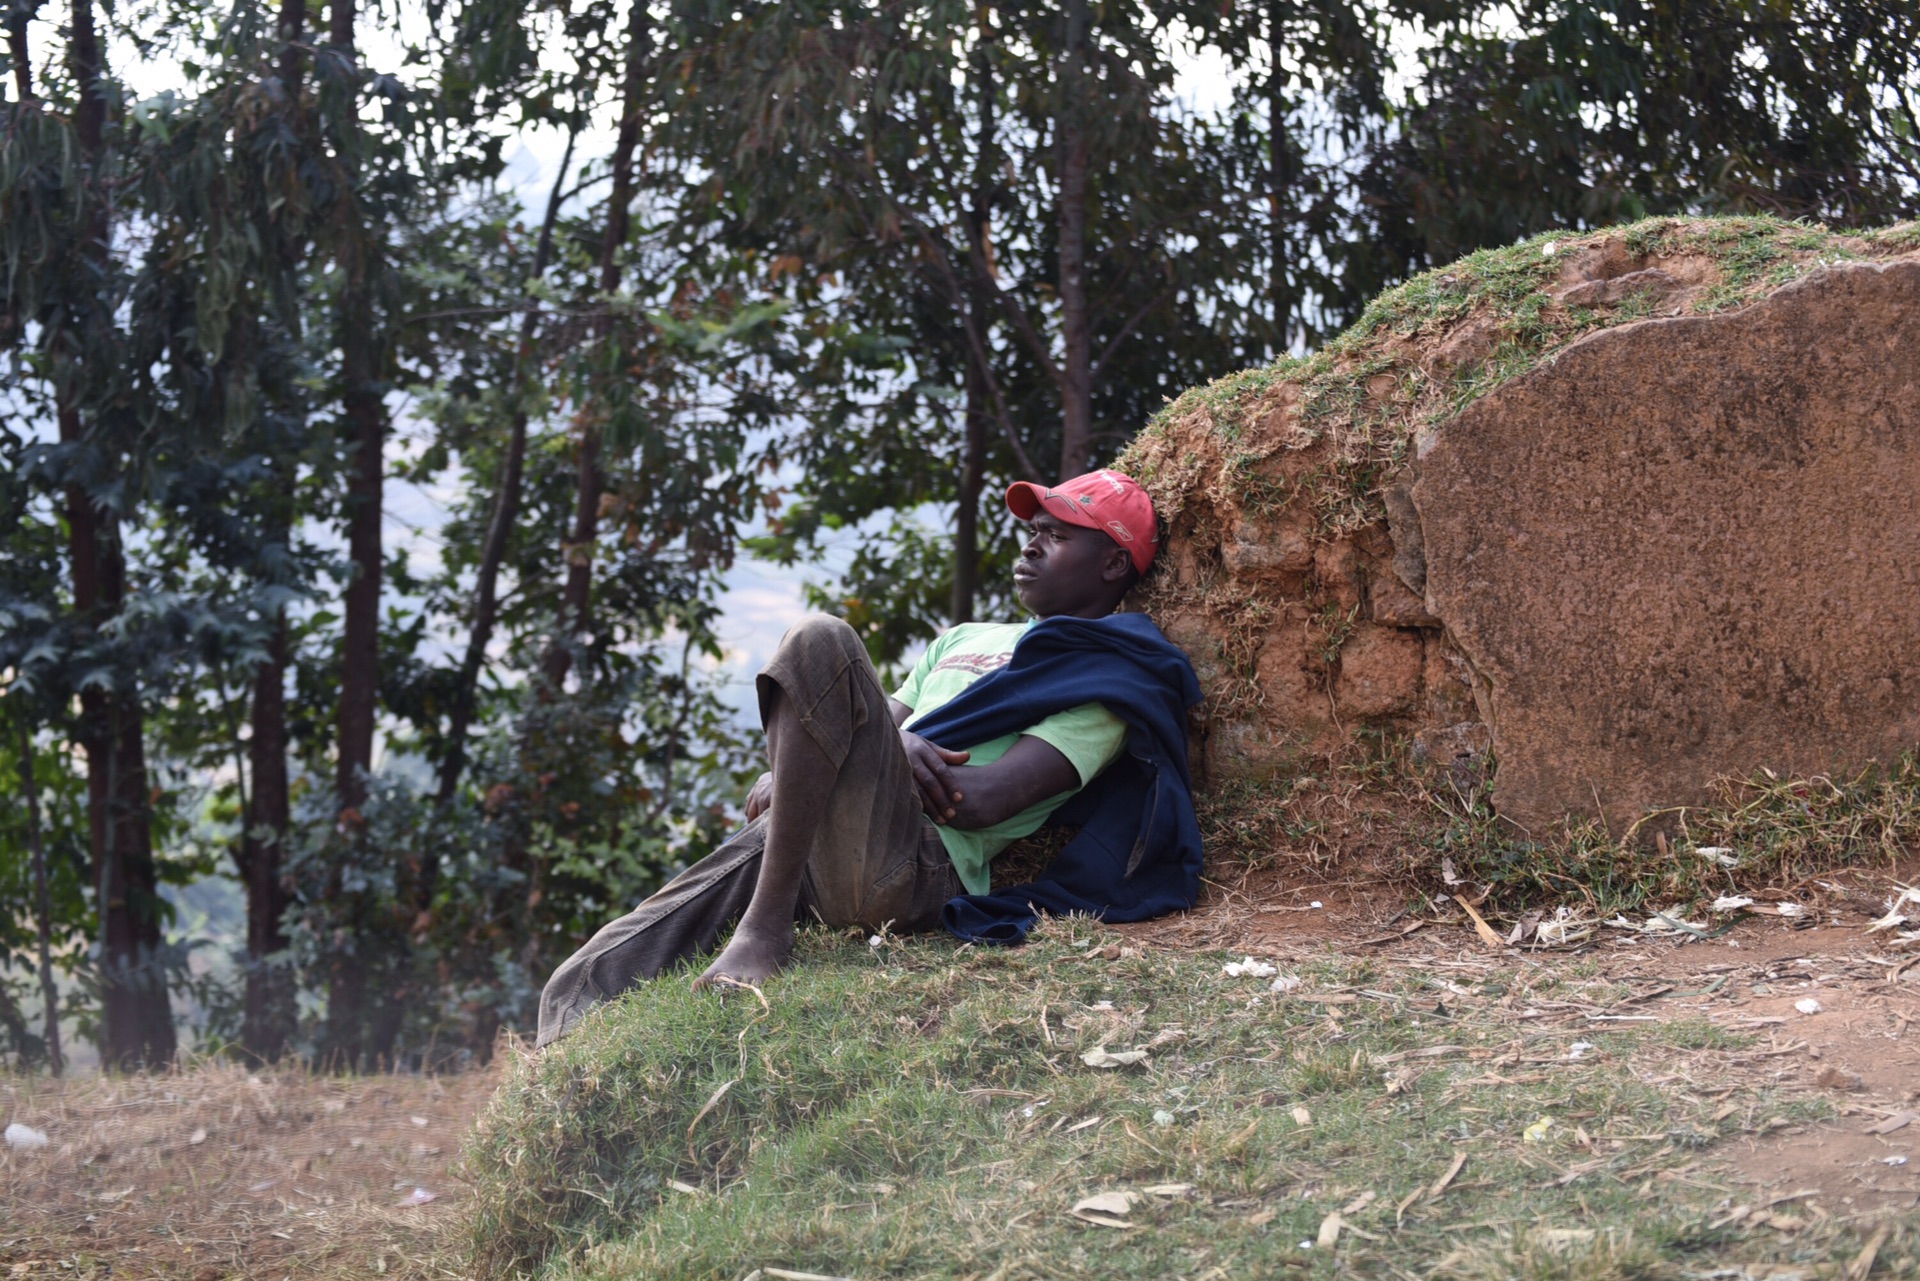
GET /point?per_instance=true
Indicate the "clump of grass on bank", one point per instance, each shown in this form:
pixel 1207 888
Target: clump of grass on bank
pixel 1370 811
pixel 1776 833
pixel 924 1110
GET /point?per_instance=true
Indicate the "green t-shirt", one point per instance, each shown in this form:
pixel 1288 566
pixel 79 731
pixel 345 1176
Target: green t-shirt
pixel 1089 735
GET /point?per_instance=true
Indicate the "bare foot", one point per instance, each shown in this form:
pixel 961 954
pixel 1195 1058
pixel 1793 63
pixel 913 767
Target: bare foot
pixel 749 958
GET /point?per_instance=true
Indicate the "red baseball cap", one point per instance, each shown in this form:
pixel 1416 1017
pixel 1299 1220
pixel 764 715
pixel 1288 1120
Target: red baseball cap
pixel 1103 500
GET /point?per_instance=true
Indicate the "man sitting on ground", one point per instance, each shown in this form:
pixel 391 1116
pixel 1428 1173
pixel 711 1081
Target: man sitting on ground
pixel 887 812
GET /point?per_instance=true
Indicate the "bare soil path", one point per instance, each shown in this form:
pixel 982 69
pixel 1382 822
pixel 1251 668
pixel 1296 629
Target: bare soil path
pixel 212 1172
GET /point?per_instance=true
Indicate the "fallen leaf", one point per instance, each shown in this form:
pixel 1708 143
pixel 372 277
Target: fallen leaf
pixel 1898 1121
pixel 1862 1263
pixel 1894 916
pixel 1524 928
pixel 1329 1234
pixel 1561 1238
pixel 684 1188
pixel 1302 1117
pixel 1107 1202
pixel 713 1101
pixel 1358 1204
pixel 1453 1171
pixel 198 1136
pixel 1105 1209
pixel 1101 1057
pixel 1537 1132
pixel 1480 925
pixel 1169 1189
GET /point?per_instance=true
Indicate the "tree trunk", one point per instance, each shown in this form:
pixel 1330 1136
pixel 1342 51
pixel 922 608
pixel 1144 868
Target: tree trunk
pixel 292 30
pixel 576 602
pixel 136 1021
pixel 973 461
pixel 18 49
pixel 1282 164
pixel 360 642
pixel 506 508
pixel 269 1017
pixel 966 523
pixel 1076 368
pixel 42 900
pixel 366 428
pixel 267 1026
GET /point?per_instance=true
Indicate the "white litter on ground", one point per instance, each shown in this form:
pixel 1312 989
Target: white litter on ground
pixel 25 1136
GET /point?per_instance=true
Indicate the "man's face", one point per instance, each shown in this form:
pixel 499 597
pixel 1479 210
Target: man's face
pixel 1068 569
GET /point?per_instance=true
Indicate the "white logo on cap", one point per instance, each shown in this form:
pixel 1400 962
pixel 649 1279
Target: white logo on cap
pixel 1120 531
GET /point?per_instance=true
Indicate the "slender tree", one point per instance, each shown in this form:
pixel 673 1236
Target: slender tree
pixel 136 1022
pixel 42 897
pixel 576 602
pixel 1075 373
pixel 364 414
pixel 506 502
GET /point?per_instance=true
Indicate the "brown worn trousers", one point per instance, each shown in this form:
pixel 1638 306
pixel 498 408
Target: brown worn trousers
pixel 877 859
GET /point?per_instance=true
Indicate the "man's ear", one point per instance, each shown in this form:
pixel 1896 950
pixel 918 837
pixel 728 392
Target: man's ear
pixel 1118 563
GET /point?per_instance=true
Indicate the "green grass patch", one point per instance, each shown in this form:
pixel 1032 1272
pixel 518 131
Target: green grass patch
pixel 924 1110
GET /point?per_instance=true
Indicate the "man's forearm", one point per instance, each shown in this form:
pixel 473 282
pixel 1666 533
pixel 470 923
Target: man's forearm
pixel 1030 772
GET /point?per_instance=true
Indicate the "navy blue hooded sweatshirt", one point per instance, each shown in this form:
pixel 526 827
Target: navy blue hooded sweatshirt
pixel 1137 854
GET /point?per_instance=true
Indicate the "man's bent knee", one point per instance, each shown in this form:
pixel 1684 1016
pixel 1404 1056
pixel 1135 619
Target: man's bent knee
pixel 823 633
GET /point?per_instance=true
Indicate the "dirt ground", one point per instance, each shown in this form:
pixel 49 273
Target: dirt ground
pixel 212 1173
pixel 1860 1048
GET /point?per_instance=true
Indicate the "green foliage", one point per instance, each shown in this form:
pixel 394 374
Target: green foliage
pixel 837 320
pixel 1576 115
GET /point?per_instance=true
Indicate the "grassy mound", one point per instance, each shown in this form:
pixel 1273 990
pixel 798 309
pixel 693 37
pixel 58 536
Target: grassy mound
pixel 1423 352
pixel 929 1111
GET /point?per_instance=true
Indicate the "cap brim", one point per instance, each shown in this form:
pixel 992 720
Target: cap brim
pixel 1023 499
pixel 1026 499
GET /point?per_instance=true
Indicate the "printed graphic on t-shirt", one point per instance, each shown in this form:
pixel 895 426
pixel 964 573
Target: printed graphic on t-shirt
pixel 979 664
